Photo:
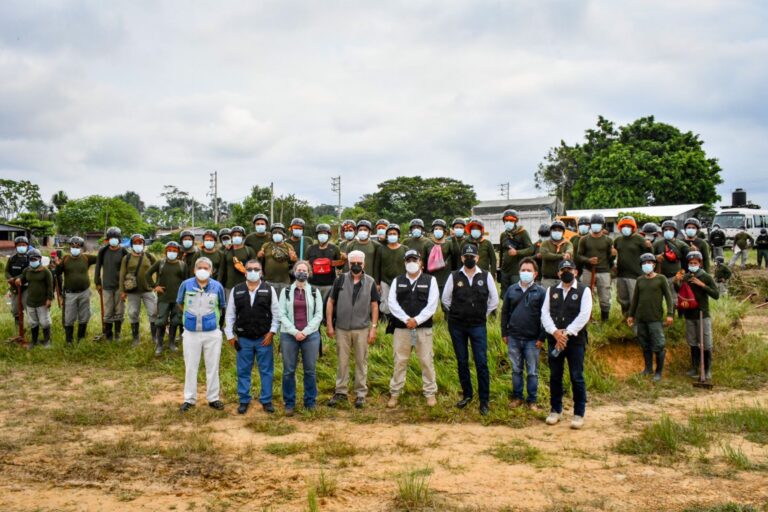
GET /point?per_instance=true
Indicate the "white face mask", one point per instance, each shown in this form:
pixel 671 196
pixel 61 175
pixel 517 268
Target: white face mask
pixel 691 232
pixel 669 234
pixel 526 276
pixel 693 268
pixel 648 268
pixel 596 228
pixel 583 229
pixel 650 238
pixel 509 226
pixel 458 232
pixel 298 232
pixel 381 232
pixel 362 235
pixel 439 233
pixel 75 251
pixel 626 231
pixel 172 255
pixel 137 248
pixel 412 267
pixel 416 233
pixel 253 275
pixel 237 240
pixel 187 244
pixel 114 242
pixel 261 229
pixel 22 249
pixel 557 236
pixel 476 233
pixel 392 239
pixel 277 237
pixel 322 238
pixel 349 235
pixel 202 275
pixel 226 242
pixel 209 244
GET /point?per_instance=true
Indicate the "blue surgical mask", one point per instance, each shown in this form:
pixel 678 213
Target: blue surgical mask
pixel 439 233
pixel 381 232
pixel 669 234
pixel 416 233
pixel 187 243
pixel 298 232
pixel 22 249
pixel 392 239
pixel 349 235
pixel 253 275
pixel 137 248
pixel 226 242
pixel 277 237
pixel 476 233
pixel 557 236
pixel 458 232
pixel 237 240
pixel 261 229
pixel 526 276
pixel 691 232
pixel 34 263
pixel 75 251
pixel 509 226
pixel 114 242
pixel 693 268
pixel 583 229
pixel 171 255
pixel 209 244
pixel 648 268
pixel 596 228
pixel 363 235
pixel 626 231
pixel 322 238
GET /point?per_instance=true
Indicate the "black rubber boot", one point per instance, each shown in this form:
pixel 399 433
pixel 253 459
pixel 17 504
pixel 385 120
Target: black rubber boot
pixel 172 338
pixel 708 364
pixel 135 334
pixel 108 331
pixel 695 355
pixel 35 335
pixel 604 315
pixel 69 333
pixel 648 357
pixel 81 328
pixel 118 328
pixel 153 330
pixel 47 337
pixel 660 356
pixel 159 335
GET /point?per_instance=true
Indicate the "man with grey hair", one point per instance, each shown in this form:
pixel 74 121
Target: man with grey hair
pixel 352 313
pixel 202 301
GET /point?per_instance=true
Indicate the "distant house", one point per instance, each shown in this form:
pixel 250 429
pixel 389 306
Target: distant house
pixel 533 212
pixel 174 233
pixel 676 212
pixel 7 234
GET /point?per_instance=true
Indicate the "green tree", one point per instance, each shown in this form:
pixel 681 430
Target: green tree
pixel 17 196
pixel 37 226
pixel 642 163
pixel 406 197
pixel 133 199
pixel 641 218
pixel 241 214
pixel 95 214
pixel 59 199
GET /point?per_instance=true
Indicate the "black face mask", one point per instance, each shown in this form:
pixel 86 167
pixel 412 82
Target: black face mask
pixel 567 277
pixel 302 276
pixel 470 262
pixel 356 268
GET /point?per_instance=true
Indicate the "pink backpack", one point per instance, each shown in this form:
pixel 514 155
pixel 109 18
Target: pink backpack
pixel 435 261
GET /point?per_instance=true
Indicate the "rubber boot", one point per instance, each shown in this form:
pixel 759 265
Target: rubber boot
pixel 153 330
pixel 81 328
pixel 707 364
pixel 181 332
pixel 47 337
pixel 135 334
pixel 35 335
pixel 108 331
pixel 159 335
pixel 604 315
pixel 118 328
pixel 172 338
pixel 648 356
pixel 660 356
pixel 694 371
pixel 69 333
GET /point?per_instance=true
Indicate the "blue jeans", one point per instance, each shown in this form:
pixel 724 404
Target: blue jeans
pixel 574 354
pixel 250 349
pixel 476 336
pixel 524 352
pixel 310 351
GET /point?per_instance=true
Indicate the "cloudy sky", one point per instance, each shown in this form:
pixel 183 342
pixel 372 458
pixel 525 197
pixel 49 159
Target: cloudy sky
pixel 103 97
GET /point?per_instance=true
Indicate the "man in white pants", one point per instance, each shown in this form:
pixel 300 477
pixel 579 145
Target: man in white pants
pixel 203 301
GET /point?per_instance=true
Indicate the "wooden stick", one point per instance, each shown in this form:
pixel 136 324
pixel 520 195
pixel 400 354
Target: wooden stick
pixel 761 305
pixel 748 297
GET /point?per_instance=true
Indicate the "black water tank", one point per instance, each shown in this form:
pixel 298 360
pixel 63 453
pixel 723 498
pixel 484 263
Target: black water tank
pixel 739 197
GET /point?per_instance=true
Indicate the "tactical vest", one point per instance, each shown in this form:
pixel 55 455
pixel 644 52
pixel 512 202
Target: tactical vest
pixel 565 306
pixel 252 320
pixel 412 298
pixel 469 303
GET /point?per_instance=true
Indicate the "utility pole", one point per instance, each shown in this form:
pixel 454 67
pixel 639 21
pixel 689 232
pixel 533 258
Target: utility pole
pixel 193 213
pixel 336 187
pixel 215 193
pixel 272 202
pixel 504 189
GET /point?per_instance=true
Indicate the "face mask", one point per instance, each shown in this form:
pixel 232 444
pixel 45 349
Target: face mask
pixel 172 255
pixel 209 244
pixel 596 228
pixel 626 231
pixel 470 262
pixel 693 268
pixel 649 238
pixel 252 275
pixel 648 268
pixel 458 232
pixel 583 229
pixel 137 248
pixel 476 233
pixel 509 226
pixel 202 275
pixel 302 276
pixel 669 234
pixel 381 232
pixel 226 243
pixel 392 239
pixel 22 249
pixel 322 238
pixel 691 232
pixel 567 277
pixel 34 263
pixel 261 228
pixel 298 232
pixel 412 267
pixel 114 242
pixel 526 276
pixel 362 235
pixel 557 236
pixel 276 237
pixel 439 233
pixel 416 233
pixel 356 268
pixel 237 240
pixel 544 238
pixel 75 251
pixel 349 235
pixel 187 244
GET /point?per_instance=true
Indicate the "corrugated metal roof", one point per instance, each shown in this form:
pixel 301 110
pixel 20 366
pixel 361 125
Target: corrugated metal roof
pixel 11 227
pixel 673 210
pixel 511 203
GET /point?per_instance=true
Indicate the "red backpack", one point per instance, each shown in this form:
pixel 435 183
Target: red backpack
pixel 686 300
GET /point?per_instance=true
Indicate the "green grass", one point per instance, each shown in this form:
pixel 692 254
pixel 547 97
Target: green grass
pixel 736 457
pixel 665 437
pixel 750 421
pixel 413 492
pixel 274 428
pixel 517 452
pixel 285 449
pixel 725 507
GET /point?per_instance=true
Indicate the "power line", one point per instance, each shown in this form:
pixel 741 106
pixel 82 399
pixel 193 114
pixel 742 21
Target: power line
pixel 504 190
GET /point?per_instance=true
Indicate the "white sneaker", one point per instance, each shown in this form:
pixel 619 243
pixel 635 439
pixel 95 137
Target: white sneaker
pixel 392 402
pixel 577 422
pixel 553 418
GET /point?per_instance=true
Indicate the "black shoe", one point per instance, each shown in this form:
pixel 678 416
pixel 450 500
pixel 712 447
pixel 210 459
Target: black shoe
pixel 269 408
pixel 359 402
pixel 289 412
pixel 47 337
pixel 605 315
pixel 484 409
pixel 108 331
pixel 81 328
pixel 35 335
pixel 243 408
pixel 69 333
pixel 311 408
pixel 118 329
pixel 338 397
pixel 463 402
pixel 186 406
pixel 135 334
pixel 648 357
pixel 216 404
